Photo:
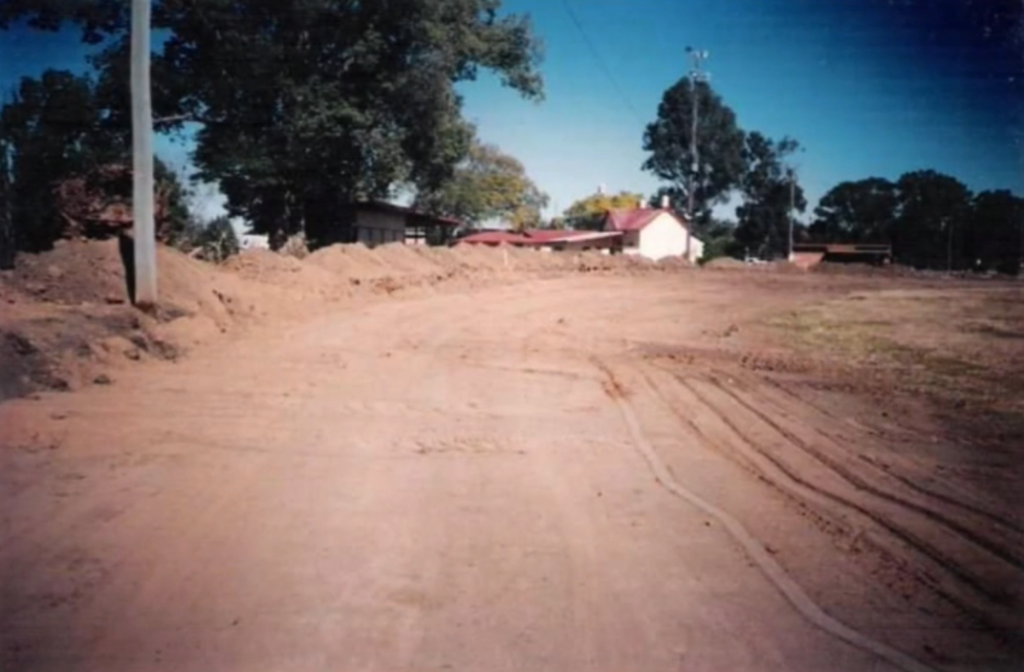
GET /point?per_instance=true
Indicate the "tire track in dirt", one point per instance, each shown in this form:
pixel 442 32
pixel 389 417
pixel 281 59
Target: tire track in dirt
pixel 777 472
pixel 789 480
pixel 948 500
pixel 864 485
pixel 771 569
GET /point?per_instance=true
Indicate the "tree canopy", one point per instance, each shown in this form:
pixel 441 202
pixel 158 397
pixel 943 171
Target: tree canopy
pixel 304 106
pixel 764 215
pixel 863 211
pixel 719 145
pixel 588 213
pixel 487 184
pixel 931 220
pixel 56 131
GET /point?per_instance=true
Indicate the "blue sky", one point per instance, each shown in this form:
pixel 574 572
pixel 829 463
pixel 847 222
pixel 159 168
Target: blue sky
pixel 868 87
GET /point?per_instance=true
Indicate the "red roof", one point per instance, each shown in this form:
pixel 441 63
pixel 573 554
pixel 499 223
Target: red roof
pixel 493 238
pixel 635 219
pixel 533 237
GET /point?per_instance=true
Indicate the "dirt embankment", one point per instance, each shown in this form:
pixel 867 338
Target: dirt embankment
pixel 67 319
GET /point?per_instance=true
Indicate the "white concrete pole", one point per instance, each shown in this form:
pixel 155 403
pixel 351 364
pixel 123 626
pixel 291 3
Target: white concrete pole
pixel 144 233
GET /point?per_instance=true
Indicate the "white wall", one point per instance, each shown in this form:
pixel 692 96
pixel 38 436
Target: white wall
pixel 666 237
pixel 250 241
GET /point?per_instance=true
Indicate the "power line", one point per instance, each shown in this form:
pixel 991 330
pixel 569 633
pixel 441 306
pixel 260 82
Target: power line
pixel 600 60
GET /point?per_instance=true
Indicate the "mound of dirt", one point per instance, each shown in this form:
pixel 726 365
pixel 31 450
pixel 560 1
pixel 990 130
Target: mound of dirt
pixel 74 272
pixel 726 263
pixel 352 262
pixel 282 270
pixel 786 267
pixel 404 260
pixel 67 317
pixel 479 258
pixel 444 258
pixel 669 263
pixel 63 308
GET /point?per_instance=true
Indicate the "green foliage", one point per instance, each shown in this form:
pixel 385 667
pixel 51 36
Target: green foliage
pixel 488 184
pixel 52 128
pixel 764 215
pixel 930 219
pixel 719 240
pixel 932 211
pixel 58 127
pixel 856 212
pixel 589 213
pixel 719 145
pixel 218 240
pixel 995 233
pixel 304 106
pixel 8 243
pixel 176 220
pixel 97 18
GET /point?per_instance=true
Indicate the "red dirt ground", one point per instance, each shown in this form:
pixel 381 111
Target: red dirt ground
pixel 475 459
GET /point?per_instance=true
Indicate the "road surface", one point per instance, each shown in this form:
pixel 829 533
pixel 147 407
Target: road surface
pixel 456 482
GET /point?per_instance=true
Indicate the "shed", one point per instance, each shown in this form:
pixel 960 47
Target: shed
pixel 376 223
pixel 809 254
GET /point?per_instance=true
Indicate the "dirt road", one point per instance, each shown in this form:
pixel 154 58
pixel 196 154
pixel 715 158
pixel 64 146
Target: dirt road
pixel 490 480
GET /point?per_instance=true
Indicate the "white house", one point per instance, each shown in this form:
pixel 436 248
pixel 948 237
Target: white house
pixel 654 233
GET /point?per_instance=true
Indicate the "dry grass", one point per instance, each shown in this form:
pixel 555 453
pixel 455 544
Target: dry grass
pixel 964 344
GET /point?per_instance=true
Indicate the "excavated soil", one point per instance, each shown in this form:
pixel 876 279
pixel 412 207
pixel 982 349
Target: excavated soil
pixel 499 459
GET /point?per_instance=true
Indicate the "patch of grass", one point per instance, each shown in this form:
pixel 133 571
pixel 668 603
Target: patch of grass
pixel 911 350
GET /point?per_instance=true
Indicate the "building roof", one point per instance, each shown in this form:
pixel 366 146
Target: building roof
pixel 636 218
pixel 844 248
pixel 418 218
pixel 493 238
pixel 536 237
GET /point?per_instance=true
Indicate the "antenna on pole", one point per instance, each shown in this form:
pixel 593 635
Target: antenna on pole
pixel 144 230
pixel 697 56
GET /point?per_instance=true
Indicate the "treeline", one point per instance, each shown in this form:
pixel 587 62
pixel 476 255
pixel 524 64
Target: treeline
pixel 304 107
pixel 930 219
pixel 65 170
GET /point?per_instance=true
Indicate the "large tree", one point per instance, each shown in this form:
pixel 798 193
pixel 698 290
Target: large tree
pixel 57 132
pixel 995 232
pixel 933 213
pixel 53 128
pixel 764 215
pixel 863 211
pixel 304 105
pixel 719 164
pixel 8 241
pixel 488 184
pixel 588 213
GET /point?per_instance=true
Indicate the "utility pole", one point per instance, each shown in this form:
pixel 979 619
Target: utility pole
pixel 144 230
pixel 696 75
pixel 949 247
pixel 1020 232
pixel 792 208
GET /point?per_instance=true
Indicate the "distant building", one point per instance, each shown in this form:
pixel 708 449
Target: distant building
pixel 806 255
pixel 654 233
pixel 251 241
pixel 374 223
